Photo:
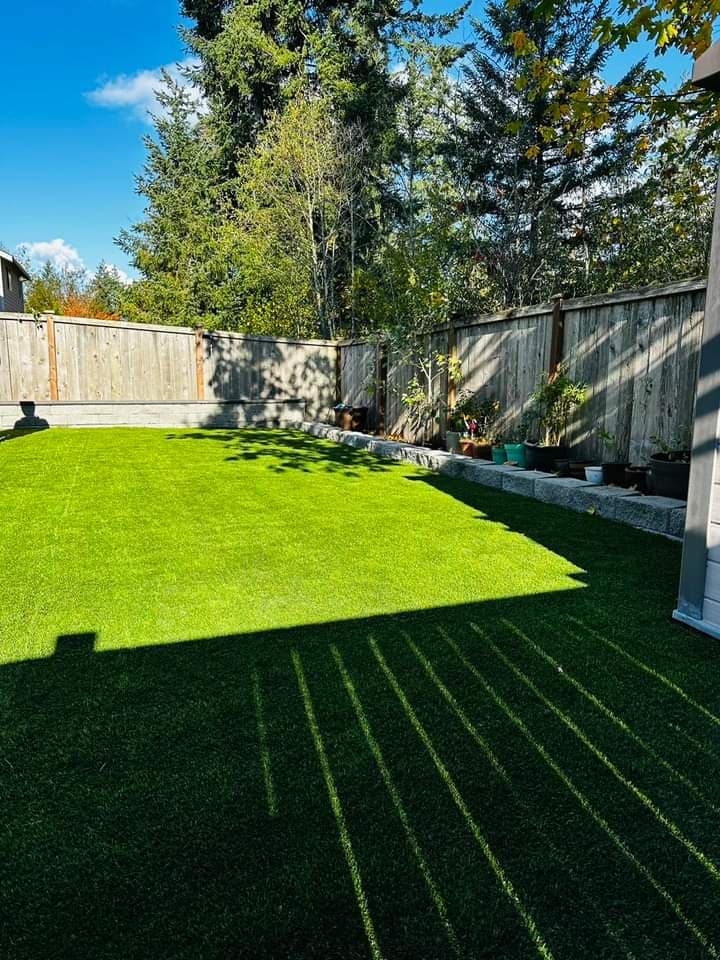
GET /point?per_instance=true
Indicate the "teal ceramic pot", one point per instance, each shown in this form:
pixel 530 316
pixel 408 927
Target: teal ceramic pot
pixel 516 453
pixel 499 455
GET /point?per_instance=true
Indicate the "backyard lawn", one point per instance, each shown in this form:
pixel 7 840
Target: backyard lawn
pixel 264 696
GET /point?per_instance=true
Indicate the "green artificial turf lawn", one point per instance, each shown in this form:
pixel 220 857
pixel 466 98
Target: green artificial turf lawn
pixel 264 696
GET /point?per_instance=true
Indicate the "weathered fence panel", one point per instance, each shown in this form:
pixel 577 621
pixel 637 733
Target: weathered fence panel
pixel 637 351
pixel 504 359
pixel 639 358
pixel 358 374
pixel 98 360
pixel 240 367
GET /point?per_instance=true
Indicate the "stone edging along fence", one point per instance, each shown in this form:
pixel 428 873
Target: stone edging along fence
pixel 661 515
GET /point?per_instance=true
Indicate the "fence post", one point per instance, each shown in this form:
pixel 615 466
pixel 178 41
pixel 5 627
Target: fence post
pixel 451 382
pixel 200 362
pixel 381 387
pixel 338 374
pixel 557 339
pixel 52 355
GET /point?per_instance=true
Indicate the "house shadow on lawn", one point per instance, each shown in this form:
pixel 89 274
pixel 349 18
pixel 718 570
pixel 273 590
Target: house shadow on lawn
pixel 288 450
pixel 434 784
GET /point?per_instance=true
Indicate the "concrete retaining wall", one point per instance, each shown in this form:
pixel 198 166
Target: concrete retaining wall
pixel 29 415
pixel 654 514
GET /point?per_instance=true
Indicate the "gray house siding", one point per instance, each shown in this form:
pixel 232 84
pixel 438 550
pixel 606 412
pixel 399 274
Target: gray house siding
pixel 11 288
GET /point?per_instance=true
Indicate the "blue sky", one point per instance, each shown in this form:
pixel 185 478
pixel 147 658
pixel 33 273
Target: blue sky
pixel 78 77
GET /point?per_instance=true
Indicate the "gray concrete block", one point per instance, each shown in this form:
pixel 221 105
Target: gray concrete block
pixel 431 459
pixel 489 474
pixel 562 491
pixel 359 441
pixel 454 465
pixel 385 448
pixel 648 513
pixel 676 522
pixel 601 500
pixel 523 481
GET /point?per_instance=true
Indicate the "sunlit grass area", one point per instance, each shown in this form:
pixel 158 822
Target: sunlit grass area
pixel 264 696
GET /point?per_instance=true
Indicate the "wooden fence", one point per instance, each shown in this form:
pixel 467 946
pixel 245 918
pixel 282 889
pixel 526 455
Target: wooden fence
pixel 637 351
pixel 73 359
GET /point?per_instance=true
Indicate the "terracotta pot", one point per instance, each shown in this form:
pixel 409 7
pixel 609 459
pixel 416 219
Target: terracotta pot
pixel 467 447
pixel 483 451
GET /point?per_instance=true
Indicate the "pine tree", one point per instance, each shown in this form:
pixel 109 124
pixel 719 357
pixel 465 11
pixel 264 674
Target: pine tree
pixel 527 175
pixel 258 55
pixel 182 248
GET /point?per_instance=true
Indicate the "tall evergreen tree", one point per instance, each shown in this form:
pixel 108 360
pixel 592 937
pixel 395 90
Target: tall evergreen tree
pixel 528 175
pixel 257 55
pixel 182 248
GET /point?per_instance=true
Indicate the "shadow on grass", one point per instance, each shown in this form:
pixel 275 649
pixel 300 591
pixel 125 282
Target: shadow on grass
pixel 534 776
pixel 287 450
pixel 382 787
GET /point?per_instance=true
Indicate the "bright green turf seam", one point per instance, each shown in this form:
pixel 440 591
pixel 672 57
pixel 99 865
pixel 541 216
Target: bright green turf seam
pixel 336 805
pixel 614 718
pixel 413 842
pixel 666 681
pixel 497 868
pixel 265 763
pixel 585 803
pixel 662 818
pixel 526 808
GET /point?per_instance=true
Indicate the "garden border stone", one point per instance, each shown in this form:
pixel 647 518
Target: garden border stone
pixel 660 515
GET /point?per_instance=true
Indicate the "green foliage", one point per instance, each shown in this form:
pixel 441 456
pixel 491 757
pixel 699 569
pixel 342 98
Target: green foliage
pixel 552 404
pixel 183 249
pixel 475 414
pixel 47 290
pixel 337 178
pixel 526 171
pixel 676 446
pixel 298 196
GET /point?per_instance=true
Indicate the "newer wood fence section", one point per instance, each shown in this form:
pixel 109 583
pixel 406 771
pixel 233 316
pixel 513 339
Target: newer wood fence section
pixel 63 358
pixel 637 352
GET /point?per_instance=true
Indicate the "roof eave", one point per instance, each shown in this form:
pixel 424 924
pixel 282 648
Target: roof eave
pixel 706 71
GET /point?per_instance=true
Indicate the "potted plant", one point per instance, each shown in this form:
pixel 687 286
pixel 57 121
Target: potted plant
pixel 485 415
pixel 457 417
pixel 498 454
pixel 670 467
pixel 636 478
pixel 613 469
pixel 552 403
pixel 515 444
pixel 469 446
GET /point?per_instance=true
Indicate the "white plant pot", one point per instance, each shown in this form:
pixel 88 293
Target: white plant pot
pixel 594 475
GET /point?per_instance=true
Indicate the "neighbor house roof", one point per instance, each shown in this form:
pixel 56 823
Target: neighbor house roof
pixel 706 72
pixel 21 270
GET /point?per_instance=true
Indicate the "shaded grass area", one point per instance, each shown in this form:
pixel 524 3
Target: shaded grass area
pixel 264 696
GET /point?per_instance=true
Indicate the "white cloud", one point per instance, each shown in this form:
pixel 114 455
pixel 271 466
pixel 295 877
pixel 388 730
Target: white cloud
pixel 59 253
pixel 123 277
pixel 137 92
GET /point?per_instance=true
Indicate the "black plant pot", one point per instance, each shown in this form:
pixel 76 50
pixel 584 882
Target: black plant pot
pixel 562 467
pixel 670 478
pixel 637 477
pixel 543 458
pixel 614 473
